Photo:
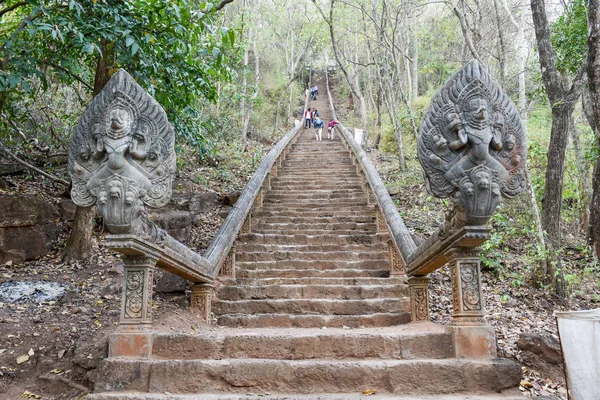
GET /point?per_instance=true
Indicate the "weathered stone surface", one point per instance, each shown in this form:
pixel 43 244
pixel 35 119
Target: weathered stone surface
pixel 231 198
pixel 170 283
pixel 177 223
pixel 542 344
pixel 27 242
pixel 313 376
pixel 11 169
pixel 67 209
pixel 25 210
pixel 203 202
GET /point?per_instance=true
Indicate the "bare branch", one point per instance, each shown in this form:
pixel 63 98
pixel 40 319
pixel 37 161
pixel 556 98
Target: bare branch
pixel 10 8
pixel 32 168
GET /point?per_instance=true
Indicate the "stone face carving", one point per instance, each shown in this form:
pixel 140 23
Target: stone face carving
pixel 122 157
pixel 472 146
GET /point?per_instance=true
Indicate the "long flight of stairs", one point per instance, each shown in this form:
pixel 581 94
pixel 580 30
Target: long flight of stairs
pixel 313 312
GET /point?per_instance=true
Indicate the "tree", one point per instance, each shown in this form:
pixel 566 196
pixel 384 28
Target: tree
pixel 593 71
pixel 563 97
pixel 172 49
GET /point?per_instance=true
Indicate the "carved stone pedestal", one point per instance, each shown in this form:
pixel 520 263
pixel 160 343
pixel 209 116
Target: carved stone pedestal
pixel 134 337
pixel 472 337
pixel 136 303
pixel 467 298
pixel 200 301
pixel 419 297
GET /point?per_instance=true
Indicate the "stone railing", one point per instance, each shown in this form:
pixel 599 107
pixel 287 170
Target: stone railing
pixel 473 156
pixel 121 159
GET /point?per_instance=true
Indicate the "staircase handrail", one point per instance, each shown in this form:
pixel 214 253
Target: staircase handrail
pixel 399 233
pixel 223 241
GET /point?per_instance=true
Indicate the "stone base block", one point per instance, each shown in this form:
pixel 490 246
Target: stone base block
pixel 473 341
pixel 130 344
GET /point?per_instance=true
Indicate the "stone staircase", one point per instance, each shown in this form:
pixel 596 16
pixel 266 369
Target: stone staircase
pixel 313 258
pixel 312 313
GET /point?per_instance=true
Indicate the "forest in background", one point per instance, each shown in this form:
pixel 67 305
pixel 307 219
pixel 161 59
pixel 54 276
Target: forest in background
pixel 228 75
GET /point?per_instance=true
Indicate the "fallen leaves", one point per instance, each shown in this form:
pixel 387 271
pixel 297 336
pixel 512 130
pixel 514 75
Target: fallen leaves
pixel 22 359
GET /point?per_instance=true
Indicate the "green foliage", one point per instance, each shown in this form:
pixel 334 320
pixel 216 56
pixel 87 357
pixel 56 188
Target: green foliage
pixel 172 48
pixel 437 57
pixel 569 37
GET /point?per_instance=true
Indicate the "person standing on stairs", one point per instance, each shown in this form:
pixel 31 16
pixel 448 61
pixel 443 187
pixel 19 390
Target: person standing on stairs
pixel 315 114
pixel 318 125
pixel 330 128
pixel 307 119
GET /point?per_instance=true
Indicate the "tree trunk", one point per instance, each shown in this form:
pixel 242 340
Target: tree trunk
pixel 552 204
pixel 583 187
pixel 593 71
pixel 594 224
pixel 79 244
pixel 415 66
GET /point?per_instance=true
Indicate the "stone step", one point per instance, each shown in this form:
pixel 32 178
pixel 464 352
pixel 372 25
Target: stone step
pixel 323 196
pixel 315 186
pixel 324 239
pixel 316 166
pixel 366 211
pixel 316 226
pixel 388 280
pixel 429 341
pixel 322 306
pixel 312 291
pixel 292 205
pixel 317 265
pixel 314 191
pixel 322 172
pixel 321 219
pixel 327 273
pixel 307 248
pixel 431 376
pixel 267 231
pixel 313 321
pixel 312 255
pixel 283 396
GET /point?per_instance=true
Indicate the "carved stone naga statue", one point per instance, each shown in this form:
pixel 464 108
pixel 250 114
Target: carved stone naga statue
pixel 122 157
pixel 472 147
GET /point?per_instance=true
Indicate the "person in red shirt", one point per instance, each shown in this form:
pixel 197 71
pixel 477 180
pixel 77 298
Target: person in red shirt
pixel 330 128
pixel 307 118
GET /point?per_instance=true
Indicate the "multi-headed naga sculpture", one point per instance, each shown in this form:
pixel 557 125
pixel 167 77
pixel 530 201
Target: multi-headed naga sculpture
pixel 122 156
pixel 472 146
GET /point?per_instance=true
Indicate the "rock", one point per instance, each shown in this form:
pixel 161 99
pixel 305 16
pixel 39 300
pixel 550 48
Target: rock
pixel 231 198
pixel 25 210
pixel 11 169
pixel 170 283
pixel 203 202
pixel 177 223
pixel 225 212
pixel 27 242
pixel 67 209
pixel 542 344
